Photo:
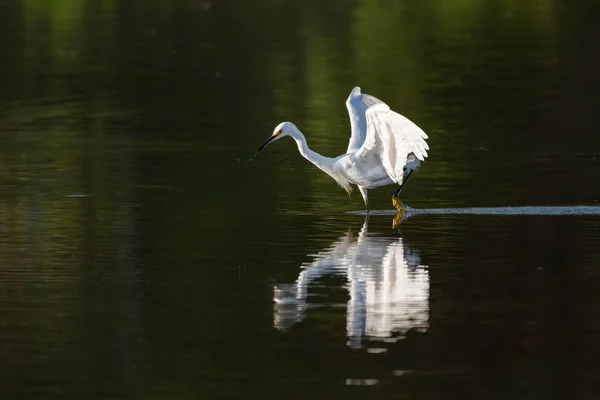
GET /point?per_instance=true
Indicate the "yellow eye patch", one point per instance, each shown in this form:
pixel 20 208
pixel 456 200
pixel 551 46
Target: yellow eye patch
pixel 277 133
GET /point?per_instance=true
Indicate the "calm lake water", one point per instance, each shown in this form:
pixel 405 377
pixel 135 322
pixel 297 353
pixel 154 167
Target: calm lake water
pixel 142 255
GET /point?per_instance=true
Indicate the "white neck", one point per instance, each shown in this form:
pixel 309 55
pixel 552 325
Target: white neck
pixel 323 163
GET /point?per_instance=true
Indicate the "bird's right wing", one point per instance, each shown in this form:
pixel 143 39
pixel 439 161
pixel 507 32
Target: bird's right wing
pixel 391 138
pixel 357 105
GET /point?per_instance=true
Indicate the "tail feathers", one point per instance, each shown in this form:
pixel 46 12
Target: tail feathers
pixel 412 163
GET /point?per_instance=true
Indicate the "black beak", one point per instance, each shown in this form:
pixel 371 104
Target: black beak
pixel 269 140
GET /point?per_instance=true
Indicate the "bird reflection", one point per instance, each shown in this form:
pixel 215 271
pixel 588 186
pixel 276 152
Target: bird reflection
pixel 388 287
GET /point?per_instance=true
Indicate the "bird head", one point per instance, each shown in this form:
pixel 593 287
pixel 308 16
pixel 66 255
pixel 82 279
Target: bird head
pixel 282 130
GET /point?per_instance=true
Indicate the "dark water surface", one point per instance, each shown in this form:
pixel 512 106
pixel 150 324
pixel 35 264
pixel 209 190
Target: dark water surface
pixel 141 256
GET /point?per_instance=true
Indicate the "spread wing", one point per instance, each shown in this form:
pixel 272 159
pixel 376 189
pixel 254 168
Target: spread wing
pixel 357 105
pixel 391 138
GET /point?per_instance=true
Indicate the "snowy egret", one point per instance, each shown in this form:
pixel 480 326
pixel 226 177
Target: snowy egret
pixel 385 148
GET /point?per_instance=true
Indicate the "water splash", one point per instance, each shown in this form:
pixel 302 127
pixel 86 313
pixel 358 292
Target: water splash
pixel 249 159
pixel 525 210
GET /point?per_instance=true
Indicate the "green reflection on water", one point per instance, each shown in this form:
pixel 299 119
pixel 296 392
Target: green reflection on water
pixel 146 106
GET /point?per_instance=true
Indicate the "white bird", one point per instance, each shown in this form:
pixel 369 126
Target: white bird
pixel 385 148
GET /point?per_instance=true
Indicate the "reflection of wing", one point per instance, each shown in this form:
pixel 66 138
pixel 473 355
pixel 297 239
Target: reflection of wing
pixel 389 290
pixel 398 299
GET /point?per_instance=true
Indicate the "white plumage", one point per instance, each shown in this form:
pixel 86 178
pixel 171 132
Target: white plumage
pixel 385 147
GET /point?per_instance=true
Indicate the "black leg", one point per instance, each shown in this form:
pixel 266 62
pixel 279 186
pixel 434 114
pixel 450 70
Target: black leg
pixel 402 185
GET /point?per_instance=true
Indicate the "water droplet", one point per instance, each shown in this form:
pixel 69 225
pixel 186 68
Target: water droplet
pixel 247 160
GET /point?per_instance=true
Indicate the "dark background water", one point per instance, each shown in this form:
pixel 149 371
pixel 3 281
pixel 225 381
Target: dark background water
pixel 140 255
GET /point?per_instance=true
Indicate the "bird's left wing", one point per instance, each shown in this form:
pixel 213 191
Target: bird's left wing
pixel 357 105
pixel 391 138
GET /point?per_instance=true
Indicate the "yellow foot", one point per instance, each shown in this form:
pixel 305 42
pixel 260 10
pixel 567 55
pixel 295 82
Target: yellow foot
pixel 398 218
pixel 399 205
pixel 401 215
